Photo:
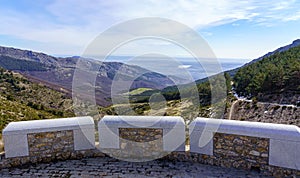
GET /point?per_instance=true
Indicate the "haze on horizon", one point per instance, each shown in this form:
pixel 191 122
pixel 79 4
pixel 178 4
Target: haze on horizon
pixel 234 29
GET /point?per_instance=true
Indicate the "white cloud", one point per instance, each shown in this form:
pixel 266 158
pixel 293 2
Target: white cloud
pixel 283 4
pixel 76 23
pixel 293 17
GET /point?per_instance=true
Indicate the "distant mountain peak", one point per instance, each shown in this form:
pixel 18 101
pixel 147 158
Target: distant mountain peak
pixel 297 42
pixel 28 55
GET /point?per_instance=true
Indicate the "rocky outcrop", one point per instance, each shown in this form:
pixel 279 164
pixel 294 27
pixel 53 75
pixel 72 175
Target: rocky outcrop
pixel 288 97
pixel 264 112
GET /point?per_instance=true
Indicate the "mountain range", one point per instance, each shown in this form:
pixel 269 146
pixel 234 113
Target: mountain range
pixel 57 72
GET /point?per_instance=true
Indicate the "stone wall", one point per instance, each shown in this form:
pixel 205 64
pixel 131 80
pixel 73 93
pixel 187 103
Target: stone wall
pixel 138 144
pixel 238 151
pixel 51 145
pixel 48 140
pixel 141 140
pixel 271 149
pixel 142 135
pixel 141 143
pixel 26 160
pixel 16 135
pixel 241 151
pixel 46 147
pixel 172 128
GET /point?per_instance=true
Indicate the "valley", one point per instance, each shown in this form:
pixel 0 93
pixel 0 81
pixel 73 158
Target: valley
pixel 38 86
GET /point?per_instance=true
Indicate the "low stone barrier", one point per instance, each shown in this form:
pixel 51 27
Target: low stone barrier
pixel 48 138
pixel 272 149
pixel 266 147
pixel 141 138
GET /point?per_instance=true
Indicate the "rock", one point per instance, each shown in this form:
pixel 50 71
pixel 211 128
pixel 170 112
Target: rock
pixel 254 153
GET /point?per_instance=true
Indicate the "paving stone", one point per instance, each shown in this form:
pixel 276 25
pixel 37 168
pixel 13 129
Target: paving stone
pixel 109 167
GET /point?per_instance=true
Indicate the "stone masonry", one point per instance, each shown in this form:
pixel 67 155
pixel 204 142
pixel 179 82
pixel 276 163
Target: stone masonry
pixel 142 135
pixel 271 149
pixel 51 145
pixel 238 151
pixel 139 144
pixel 241 151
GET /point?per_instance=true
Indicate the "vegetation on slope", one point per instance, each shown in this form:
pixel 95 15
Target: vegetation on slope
pixel 274 74
pixel 174 93
pixel 137 91
pixel 10 63
pixel 177 102
pixel 21 99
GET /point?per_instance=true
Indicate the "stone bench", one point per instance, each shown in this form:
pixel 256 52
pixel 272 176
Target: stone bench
pixel 257 143
pixel 170 130
pixel 38 137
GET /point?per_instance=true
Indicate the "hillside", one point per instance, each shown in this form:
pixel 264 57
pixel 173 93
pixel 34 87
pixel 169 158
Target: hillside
pixel 21 99
pixel 270 80
pixel 275 78
pixel 58 73
pixel 281 49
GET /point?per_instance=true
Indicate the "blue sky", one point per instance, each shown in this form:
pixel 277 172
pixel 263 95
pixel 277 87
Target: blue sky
pixel 233 29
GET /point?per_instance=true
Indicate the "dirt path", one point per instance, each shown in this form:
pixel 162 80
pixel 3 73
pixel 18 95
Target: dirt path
pixel 232 109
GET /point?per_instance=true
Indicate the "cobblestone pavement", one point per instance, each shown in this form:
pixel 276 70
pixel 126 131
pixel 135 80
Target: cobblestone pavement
pixel 110 167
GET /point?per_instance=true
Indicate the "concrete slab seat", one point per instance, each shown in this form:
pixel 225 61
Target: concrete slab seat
pixel 284 140
pixel 173 130
pixel 16 134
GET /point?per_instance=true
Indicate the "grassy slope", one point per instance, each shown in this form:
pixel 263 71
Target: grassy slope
pixel 24 100
pixel 137 91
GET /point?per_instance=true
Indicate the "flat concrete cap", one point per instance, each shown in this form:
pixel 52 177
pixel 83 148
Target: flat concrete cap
pixel 256 129
pixel 142 121
pixel 48 125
